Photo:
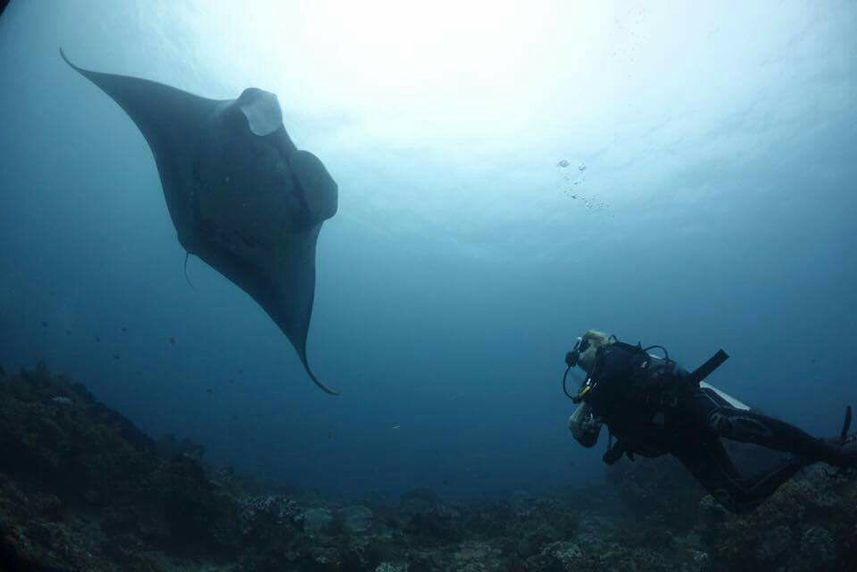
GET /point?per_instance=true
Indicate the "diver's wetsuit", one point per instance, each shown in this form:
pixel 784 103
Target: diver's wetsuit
pixel 706 416
pixel 657 408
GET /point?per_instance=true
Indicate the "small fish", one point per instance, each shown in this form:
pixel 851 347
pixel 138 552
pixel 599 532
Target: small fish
pixel 241 371
pixel 98 339
pixel 231 381
pixel 173 341
pixel 68 332
pixel 445 482
pixel 115 356
pixel 44 324
pixel 209 390
pixel 330 435
pixel 582 167
pixel 124 329
pixel 562 164
pixel 397 427
pixel 62 400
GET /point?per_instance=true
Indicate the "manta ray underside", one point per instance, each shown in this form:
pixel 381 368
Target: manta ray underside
pixel 242 197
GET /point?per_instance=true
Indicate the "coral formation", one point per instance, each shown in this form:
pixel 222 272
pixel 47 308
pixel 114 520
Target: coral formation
pixel 82 489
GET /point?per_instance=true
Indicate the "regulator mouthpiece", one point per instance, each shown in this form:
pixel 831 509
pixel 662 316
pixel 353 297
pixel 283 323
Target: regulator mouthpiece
pixel 573 356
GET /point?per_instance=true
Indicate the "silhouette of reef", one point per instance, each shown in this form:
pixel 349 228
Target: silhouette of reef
pixel 82 489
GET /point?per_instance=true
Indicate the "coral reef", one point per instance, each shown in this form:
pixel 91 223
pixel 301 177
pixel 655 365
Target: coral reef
pixel 810 524
pixel 82 489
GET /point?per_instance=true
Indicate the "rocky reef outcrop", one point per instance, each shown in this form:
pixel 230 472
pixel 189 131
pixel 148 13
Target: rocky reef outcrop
pixel 81 488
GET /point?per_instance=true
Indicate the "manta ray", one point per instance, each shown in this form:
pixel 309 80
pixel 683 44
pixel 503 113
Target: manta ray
pixel 241 196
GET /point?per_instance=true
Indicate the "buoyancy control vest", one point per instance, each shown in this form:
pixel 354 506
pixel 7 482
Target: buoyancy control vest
pixel 634 391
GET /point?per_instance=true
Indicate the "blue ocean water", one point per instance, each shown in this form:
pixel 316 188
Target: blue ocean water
pixel 510 174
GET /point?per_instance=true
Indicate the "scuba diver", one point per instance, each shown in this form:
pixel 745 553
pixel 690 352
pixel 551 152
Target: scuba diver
pixel 652 407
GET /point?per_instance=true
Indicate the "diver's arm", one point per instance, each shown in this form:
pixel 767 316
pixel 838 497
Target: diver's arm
pixel 584 425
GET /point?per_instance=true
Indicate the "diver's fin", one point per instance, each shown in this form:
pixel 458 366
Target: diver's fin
pixel 847 424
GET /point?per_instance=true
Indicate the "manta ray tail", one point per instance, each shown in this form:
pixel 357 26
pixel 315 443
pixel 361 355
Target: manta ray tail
pixel 312 376
pixel 74 67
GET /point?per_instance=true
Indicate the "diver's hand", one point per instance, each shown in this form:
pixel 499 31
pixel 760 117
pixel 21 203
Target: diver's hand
pixel 584 425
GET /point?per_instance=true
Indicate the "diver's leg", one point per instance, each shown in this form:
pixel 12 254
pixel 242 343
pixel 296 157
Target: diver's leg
pixel 708 462
pixel 747 426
